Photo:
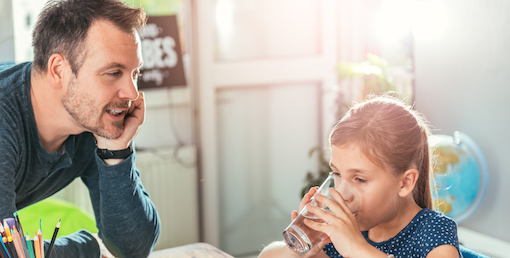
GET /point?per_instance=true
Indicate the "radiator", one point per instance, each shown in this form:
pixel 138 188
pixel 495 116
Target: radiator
pixel 171 181
pixel 170 178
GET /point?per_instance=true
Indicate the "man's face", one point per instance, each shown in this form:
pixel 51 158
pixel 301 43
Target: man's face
pixel 100 95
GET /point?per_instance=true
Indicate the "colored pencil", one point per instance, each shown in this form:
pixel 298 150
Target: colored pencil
pixel 30 250
pixel 16 238
pixel 10 222
pixel 10 247
pixel 41 242
pixel 37 247
pixel 4 242
pixel 17 243
pixel 2 230
pixel 7 229
pixel 48 252
pixel 4 252
pixel 3 249
pixel 10 244
pixel 22 235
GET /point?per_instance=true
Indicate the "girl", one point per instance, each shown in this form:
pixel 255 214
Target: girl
pixel 380 147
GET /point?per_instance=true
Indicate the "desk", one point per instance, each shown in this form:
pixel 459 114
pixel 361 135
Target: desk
pixel 191 251
pixel 482 243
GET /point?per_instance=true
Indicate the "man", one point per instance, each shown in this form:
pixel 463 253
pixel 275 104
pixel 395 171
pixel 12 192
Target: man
pixel 74 112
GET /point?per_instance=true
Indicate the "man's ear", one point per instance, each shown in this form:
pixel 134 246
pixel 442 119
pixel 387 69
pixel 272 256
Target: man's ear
pixel 408 181
pixel 56 69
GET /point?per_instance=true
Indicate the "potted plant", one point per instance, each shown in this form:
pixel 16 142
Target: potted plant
pixel 376 76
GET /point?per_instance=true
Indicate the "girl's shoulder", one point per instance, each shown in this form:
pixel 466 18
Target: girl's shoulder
pixel 426 231
pixel 432 229
pixel 430 221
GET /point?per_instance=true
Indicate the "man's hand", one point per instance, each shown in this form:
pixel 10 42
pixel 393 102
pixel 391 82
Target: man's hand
pixel 132 124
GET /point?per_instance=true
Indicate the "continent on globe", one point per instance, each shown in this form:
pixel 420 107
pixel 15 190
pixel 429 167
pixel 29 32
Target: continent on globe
pixel 460 175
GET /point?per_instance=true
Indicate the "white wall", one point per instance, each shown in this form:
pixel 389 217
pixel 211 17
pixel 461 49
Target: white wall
pixel 6 35
pixel 168 119
pixel 17 19
pixel 462 84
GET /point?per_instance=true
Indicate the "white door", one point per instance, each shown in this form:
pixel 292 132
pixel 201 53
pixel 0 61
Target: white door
pixel 260 70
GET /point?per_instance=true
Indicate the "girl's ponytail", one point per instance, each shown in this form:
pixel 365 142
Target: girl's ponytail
pixel 422 193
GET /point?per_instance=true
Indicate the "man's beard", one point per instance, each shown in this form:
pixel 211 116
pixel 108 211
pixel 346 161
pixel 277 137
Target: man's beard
pixel 84 109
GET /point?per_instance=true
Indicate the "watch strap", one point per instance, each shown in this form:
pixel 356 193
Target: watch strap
pixel 114 154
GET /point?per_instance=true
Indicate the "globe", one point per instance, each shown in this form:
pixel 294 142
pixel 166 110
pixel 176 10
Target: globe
pixel 460 175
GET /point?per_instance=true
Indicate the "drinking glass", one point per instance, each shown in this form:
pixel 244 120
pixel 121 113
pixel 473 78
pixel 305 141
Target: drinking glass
pixel 301 238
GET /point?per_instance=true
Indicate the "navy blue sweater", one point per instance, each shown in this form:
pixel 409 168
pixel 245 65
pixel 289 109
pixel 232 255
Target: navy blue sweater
pixel 125 216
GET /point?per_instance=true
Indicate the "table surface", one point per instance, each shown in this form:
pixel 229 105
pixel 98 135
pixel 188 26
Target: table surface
pixel 191 250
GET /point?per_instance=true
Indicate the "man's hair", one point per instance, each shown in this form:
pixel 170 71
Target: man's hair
pixel 62 27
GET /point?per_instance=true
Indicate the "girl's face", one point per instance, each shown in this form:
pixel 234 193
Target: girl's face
pixel 376 186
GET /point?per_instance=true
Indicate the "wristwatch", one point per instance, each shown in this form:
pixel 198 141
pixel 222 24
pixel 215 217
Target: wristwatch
pixel 115 154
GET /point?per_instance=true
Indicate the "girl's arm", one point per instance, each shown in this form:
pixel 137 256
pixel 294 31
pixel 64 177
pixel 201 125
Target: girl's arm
pixel 280 249
pixel 444 251
pixel 276 249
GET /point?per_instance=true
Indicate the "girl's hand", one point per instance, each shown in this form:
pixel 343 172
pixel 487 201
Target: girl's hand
pixel 306 199
pixel 342 227
pixel 105 253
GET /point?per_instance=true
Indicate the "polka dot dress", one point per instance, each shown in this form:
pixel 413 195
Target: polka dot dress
pixel 427 230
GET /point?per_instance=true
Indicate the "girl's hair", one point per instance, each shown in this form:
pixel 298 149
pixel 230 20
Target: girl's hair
pixel 392 135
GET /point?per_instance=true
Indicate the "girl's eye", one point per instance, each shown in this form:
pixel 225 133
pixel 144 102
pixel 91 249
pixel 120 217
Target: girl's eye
pixel 336 174
pixel 362 181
